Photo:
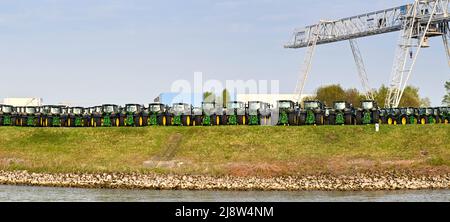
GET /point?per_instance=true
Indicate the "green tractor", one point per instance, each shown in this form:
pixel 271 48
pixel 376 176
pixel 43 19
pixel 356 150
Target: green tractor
pixel 341 114
pixel 7 115
pixel 133 115
pixel 157 114
pixel 96 114
pixel 31 117
pixel 258 113
pixel 287 113
pixel 180 114
pixel 76 117
pixel 235 113
pixel 444 114
pixel 210 114
pixel 52 116
pixel 20 111
pixel 368 113
pixel 428 115
pixel 313 113
pixel 393 115
pixel 109 115
pixel 408 115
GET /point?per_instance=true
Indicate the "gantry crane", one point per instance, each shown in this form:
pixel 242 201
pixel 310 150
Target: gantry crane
pixel 417 22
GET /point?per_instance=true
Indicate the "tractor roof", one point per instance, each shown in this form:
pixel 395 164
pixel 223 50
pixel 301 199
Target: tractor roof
pixel 108 105
pixel 282 101
pixel 181 104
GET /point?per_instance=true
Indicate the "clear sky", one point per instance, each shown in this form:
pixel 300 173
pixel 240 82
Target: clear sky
pixel 119 51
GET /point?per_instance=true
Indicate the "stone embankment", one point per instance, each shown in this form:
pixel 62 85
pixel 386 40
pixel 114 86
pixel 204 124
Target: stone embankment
pixel 372 181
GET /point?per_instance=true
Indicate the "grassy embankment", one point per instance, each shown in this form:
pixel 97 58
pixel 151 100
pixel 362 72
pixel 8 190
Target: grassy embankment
pixel 239 151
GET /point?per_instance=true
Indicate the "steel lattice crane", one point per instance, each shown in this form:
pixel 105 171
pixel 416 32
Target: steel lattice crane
pixel 417 23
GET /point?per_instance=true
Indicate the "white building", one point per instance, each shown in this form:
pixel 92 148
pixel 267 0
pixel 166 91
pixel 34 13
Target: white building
pixel 269 98
pixel 23 101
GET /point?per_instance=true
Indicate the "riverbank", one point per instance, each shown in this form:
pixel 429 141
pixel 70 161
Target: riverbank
pixel 229 158
pixel 358 182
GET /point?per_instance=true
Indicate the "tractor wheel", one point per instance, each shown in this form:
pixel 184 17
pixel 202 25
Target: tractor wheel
pixel 348 119
pixel 390 121
pixel 302 119
pixel 198 120
pixel 217 120
pixel 423 120
pixel 319 119
pixel 145 121
pixel 376 117
pixel 69 122
pixel 164 120
pixel 141 121
pixel 446 121
pixel 224 120
pixel 404 120
pixel 291 119
pixel 358 118
pixel 116 122
pixel 332 119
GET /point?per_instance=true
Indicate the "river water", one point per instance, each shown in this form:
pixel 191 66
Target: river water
pixel 32 194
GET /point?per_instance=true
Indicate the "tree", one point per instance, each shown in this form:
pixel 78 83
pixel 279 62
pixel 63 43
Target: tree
pixel 410 98
pixel 331 93
pixel 353 96
pixel 446 100
pixel 209 97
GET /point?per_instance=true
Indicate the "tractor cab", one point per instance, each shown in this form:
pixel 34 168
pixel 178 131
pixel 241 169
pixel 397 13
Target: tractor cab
pixel 341 105
pixel 110 108
pixel 368 105
pixel 6 109
pixel 31 110
pixel 133 108
pixel 426 111
pixel 76 110
pixel 236 113
pixel 258 107
pixel 286 105
pixel 7 115
pixel 181 109
pixel 157 114
pixel 313 105
pixel 428 115
pixel 408 111
pixel 52 115
pixel 259 112
pixel 64 110
pixel 209 108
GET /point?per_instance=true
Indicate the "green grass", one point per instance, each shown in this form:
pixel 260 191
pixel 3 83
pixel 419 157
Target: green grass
pixel 233 150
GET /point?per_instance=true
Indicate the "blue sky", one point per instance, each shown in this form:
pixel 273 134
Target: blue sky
pixel 119 51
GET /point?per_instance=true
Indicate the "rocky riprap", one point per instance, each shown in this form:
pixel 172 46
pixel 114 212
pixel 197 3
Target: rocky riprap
pixel 372 181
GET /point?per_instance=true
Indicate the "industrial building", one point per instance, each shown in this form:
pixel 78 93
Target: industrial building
pixel 23 101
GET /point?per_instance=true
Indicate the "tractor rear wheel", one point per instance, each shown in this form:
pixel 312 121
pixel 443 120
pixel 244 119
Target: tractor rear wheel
pixel 332 119
pixel 319 119
pixel 348 119
pixel 404 120
pixel 358 118
pixel 291 119
pixel 302 119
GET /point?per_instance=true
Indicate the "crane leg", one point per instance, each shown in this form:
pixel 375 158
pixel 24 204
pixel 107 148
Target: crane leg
pixel 361 69
pixel 445 38
pixel 307 62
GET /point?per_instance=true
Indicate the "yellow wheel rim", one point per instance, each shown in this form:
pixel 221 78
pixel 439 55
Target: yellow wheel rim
pixel 243 120
pixel 117 122
pixel 403 121
pixel 193 123
pixel 92 122
pixel 140 121
pixel 217 120
pixel 422 121
pixel 164 121
pixel 390 121
pixel 188 120
pixel 395 122
pixel 46 122
pixel 68 122
pixel 446 121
